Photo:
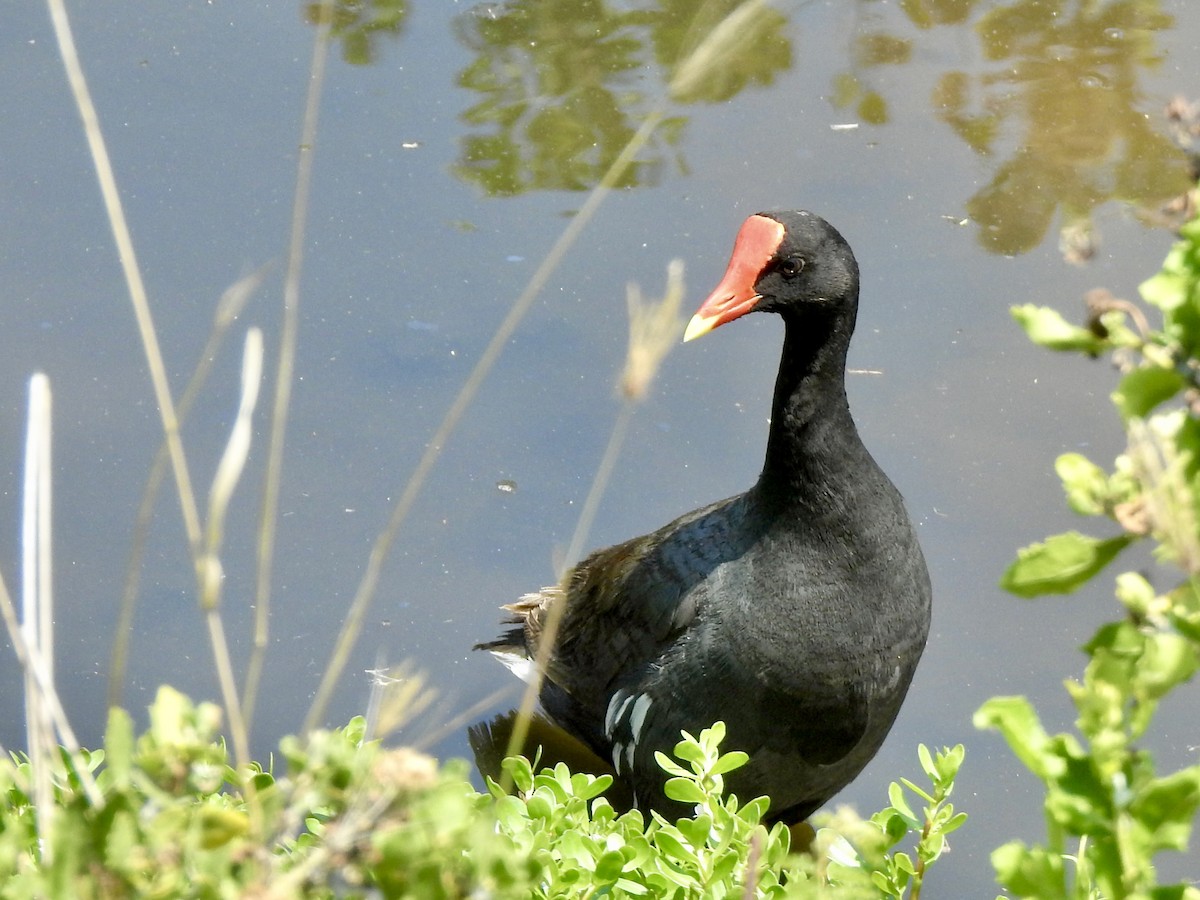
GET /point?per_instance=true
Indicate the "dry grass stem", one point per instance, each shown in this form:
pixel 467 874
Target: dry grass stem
pixel 229 307
pixel 654 329
pixel 37 601
pixel 32 642
pixel 129 265
pixel 230 468
pixel 229 471
pixel 398 695
pixel 269 514
pixel 468 715
pixel 728 38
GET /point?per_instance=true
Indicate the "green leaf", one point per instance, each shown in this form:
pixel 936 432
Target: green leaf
pixel 900 804
pixel 895 824
pixel 754 810
pixel 1166 290
pixel 1085 483
pixel 926 760
pixel 520 771
pixel 1168 661
pixel 842 852
pixel 954 823
pixel 1136 593
pixel 1017 720
pixel 684 790
pixel 1060 564
pixel 118 742
pixel 1165 808
pixel 1143 389
pixel 730 761
pixel 949 761
pixel 669 765
pixel 669 844
pixel 696 830
pixel 1047 328
pixel 1029 872
pixel 219 826
pixel 539 806
pixel 689 750
pixel 610 866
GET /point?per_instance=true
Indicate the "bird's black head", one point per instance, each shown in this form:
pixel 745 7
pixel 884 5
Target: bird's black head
pixel 789 262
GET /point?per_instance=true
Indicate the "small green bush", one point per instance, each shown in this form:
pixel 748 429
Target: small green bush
pixel 1109 812
pixel 351 818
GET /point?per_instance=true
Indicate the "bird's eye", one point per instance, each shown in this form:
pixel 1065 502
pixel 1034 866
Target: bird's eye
pixel 791 267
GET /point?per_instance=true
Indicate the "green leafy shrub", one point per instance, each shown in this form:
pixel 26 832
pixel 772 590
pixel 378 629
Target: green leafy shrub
pixel 1109 812
pixel 351 818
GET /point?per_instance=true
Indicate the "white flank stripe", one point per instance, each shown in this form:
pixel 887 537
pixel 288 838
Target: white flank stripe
pixel 638 717
pixel 610 716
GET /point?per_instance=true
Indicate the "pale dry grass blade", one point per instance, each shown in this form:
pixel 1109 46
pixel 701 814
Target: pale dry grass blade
pixel 398 695
pixel 129 265
pixel 654 330
pixel 28 642
pixel 233 301
pixel 229 472
pixel 729 38
pixel 285 372
pixel 37 601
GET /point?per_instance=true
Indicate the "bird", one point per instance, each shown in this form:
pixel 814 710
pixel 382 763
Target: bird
pixel 795 613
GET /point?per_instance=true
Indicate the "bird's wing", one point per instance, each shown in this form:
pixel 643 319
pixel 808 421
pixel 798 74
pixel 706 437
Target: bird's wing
pixel 626 604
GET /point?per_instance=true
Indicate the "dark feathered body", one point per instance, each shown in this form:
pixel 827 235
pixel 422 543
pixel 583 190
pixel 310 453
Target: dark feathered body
pixel 795 612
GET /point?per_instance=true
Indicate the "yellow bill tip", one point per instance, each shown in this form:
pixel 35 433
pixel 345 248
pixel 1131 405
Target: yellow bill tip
pixel 699 325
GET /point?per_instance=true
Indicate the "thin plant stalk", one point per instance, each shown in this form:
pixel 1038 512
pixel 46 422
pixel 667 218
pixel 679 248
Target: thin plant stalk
pixel 149 338
pixel 529 697
pixel 230 306
pixel 654 329
pixel 269 513
pixel 229 471
pixel 352 625
pixel 37 600
pixel 129 265
pixel 30 645
pixel 30 661
pixel 608 462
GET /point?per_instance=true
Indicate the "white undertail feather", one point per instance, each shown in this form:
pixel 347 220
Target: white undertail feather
pixel 517 663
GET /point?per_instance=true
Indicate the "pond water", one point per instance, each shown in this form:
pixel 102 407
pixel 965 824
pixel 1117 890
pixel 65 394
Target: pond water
pixel 965 149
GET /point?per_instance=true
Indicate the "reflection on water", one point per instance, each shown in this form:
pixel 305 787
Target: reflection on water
pixel 358 27
pixel 1058 108
pixel 1068 79
pixel 563 85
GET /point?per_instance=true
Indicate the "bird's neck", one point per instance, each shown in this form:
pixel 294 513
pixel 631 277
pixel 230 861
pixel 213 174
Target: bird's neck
pixel 812 438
